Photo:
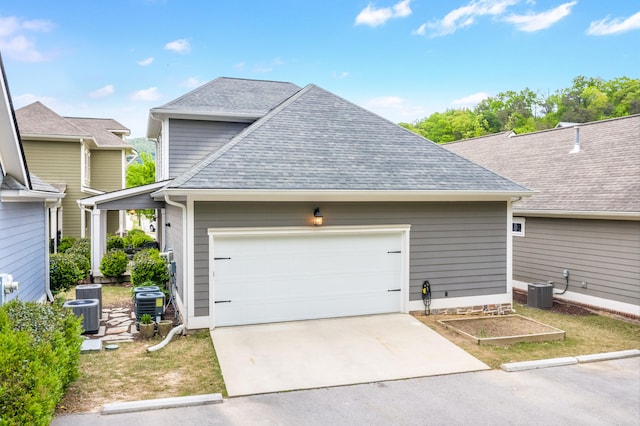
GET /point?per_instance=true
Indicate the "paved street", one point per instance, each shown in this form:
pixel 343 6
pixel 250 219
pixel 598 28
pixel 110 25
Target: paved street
pixel 600 393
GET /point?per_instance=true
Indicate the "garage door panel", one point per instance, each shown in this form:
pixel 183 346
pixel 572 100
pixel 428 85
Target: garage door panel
pixel 292 277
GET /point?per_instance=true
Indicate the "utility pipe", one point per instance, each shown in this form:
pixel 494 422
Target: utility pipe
pixel 167 339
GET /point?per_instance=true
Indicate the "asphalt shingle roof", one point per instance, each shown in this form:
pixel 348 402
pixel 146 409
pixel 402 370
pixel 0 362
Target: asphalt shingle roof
pixel 102 131
pixel 231 96
pixel 37 119
pixel 604 176
pixel 316 140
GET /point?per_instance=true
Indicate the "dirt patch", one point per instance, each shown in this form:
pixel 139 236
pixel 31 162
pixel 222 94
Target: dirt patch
pixel 499 326
pixel 560 307
pixel 503 330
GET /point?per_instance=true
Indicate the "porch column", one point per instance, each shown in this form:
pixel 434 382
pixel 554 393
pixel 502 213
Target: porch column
pixel 98 239
pixel 53 227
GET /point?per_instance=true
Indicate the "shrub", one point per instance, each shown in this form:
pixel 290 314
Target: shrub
pixel 136 238
pixel 114 263
pixel 39 358
pixel 83 264
pixel 66 243
pixel 63 272
pixel 80 253
pixel 81 246
pixel 114 242
pixel 148 266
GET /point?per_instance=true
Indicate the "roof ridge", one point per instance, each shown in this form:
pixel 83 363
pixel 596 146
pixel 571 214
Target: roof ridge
pixel 82 131
pixel 238 138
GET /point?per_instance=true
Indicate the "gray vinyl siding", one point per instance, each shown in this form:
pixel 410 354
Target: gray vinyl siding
pixel 59 163
pixel 174 240
pixel 192 140
pixel 22 252
pixel 603 253
pixel 459 247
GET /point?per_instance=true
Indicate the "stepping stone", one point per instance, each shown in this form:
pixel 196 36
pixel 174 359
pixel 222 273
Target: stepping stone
pixel 117 330
pixel 101 331
pixel 90 345
pixel 118 315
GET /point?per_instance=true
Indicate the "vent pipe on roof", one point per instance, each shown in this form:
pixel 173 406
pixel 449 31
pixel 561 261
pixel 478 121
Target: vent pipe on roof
pixel 576 143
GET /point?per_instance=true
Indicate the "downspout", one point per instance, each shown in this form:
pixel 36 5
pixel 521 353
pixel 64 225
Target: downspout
pixel 47 277
pixel 185 249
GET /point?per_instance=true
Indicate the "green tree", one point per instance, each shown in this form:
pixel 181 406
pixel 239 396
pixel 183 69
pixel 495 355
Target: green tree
pixel 142 173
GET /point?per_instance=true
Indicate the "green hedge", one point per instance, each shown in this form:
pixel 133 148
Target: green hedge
pixel 66 243
pixel 114 242
pixel 148 266
pixel 39 358
pixel 114 263
pixel 136 238
pixel 63 272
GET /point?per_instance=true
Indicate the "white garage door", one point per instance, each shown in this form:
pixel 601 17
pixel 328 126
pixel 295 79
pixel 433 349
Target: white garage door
pixel 284 277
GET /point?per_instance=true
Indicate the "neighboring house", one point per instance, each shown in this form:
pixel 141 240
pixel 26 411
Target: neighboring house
pixel 80 156
pixel 24 205
pixel 585 218
pixel 285 203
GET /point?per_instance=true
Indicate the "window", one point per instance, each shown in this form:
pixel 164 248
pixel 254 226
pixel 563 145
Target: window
pixel 86 166
pixel 517 226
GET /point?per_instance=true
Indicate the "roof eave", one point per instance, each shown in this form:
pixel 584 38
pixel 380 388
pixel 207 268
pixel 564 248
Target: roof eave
pixel 22 195
pixel 339 195
pixel 573 214
pixel 156 115
pixel 120 194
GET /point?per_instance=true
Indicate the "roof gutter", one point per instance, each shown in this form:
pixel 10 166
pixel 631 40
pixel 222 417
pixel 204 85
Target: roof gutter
pixel 29 195
pixel 337 195
pixel 602 215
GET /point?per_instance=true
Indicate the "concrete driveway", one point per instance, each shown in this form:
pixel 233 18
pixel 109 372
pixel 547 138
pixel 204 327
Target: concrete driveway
pixel 331 352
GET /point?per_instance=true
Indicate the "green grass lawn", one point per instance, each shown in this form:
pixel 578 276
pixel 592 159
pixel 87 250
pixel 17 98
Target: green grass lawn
pixel 585 334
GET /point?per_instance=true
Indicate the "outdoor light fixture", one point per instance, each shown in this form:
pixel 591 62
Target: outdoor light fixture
pixel 317 217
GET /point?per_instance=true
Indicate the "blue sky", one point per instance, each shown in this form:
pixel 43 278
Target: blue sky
pixel 403 59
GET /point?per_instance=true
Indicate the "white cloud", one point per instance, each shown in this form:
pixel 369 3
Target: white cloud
pixel 373 16
pixel 239 66
pixel 539 21
pixel 340 75
pixel 615 26
pixel 471 100
pixel 466 15
pixel 420 30
pixel 145 62
pixel 103 91
pixel 395 108
pixel 179 46
pixel 192 83
pixel 16 45
pixel 150 94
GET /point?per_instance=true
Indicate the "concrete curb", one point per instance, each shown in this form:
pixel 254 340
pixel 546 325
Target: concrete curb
pixel 557 362
pixel 154 404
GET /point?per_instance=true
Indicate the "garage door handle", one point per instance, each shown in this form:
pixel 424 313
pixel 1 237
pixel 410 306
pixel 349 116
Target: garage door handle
pixel 395 289
pixel 394 251
pixel 222 301
pixel 221 258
